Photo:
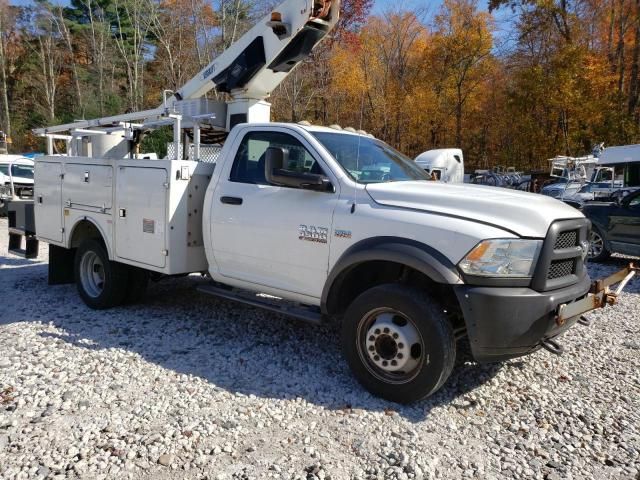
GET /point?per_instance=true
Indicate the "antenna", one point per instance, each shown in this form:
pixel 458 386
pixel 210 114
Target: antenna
pixel 355 192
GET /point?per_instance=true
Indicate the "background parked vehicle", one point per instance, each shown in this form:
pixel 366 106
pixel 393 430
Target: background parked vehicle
pixel 615 227
pixel 16 179
pixel 555 189
pixel 444 164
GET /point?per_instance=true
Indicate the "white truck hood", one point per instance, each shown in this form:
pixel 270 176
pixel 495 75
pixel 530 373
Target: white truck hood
pixel 526 214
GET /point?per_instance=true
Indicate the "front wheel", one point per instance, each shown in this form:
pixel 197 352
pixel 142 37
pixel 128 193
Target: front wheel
pixel 597 247
pixel 101 283
pixel 398 343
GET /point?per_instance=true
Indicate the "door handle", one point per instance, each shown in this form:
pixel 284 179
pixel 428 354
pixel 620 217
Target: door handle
pixel 231 200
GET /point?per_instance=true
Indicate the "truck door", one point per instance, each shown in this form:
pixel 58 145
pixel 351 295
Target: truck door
pixel 271 235
pixel 624 225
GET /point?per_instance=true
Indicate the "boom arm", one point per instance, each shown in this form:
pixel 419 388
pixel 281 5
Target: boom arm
pixel 262 58
pixel 249 70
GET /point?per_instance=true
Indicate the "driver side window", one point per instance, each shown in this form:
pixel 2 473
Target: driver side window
pixel 635 202
pixel 249 163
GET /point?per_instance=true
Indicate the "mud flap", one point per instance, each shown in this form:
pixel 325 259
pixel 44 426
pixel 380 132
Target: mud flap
pixel 61 265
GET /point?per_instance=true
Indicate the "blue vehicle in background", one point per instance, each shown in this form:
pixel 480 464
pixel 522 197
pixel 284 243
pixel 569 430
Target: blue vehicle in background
pixel 615 227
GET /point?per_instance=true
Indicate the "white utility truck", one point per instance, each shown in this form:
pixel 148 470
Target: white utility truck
pixel 618 170
pixel 443 164
pixel 312 222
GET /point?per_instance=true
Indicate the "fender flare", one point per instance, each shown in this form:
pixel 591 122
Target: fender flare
pixel 414 254
pixel 98 227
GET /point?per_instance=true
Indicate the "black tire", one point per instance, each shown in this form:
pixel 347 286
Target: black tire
pixel 136 285
pixel 111 289
pixel 601 253
pixel 437 354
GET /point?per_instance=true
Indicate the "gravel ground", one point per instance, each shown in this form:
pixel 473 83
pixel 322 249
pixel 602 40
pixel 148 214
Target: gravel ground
pixel 188 386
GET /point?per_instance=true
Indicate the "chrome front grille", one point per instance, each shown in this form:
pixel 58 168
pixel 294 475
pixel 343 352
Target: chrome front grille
pixel 561 261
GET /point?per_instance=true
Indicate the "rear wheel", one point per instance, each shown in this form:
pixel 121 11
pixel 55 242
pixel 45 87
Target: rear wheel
pixel 598 251
pixel 101 283
pixel 398 343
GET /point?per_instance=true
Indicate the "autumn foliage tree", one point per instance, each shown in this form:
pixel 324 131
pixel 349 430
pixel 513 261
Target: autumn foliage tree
pixel 563 77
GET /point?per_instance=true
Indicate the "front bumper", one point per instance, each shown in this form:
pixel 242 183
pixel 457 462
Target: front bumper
pixel 505 322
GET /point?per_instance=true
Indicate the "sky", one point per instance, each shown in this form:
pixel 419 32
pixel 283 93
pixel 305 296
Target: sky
pixel 380 6
pixel 503 17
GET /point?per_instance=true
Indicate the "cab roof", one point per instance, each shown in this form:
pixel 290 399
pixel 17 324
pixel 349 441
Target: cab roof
pixel 15 159
pixel 310 128
pixel 622 154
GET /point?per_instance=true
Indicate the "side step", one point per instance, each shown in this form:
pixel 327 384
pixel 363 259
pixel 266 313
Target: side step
pixel 306 314
pixel 15 243
pixel 22 224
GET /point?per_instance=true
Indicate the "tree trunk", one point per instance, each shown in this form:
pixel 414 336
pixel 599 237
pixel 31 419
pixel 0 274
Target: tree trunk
pixel 635 57
pixel 612 21
pixel 620 49
pixel 459 116
pixel 3 83
pixel 66 35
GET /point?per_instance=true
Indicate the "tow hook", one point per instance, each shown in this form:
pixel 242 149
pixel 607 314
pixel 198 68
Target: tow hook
pixel 599 296
pixel 552 346
pixel 585 321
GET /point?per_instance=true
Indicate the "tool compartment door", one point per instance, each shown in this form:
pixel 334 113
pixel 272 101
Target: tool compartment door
pixel 87 186
pixel 48 200
pixel 141 210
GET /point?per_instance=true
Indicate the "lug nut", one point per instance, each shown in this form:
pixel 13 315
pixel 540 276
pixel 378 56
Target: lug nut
pixel 385 363
pixel 401 345
pixel 394 363
pixel 371 348
pixel 372 338
pixel 399 356
pixel 395 335
pixel 386 330
pixel 376 358
pixel 377 331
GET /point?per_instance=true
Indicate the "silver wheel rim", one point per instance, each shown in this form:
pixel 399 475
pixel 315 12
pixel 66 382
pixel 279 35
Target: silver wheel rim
pixel 596 245
pixel 390 346
pixel 92 274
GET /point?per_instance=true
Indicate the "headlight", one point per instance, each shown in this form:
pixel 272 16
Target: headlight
pixel 502 258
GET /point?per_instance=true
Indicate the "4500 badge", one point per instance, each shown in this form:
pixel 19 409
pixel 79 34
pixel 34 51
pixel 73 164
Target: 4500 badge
pixel 313 234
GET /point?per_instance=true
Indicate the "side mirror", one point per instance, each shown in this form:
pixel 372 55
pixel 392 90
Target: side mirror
pixel 276 174
pixel 274 160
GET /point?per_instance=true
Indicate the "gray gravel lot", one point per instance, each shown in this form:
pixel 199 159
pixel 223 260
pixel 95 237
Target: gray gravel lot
pixel 188 386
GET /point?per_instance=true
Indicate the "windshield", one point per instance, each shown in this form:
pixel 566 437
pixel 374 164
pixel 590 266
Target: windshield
pixel 376 162
pixel 23 171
